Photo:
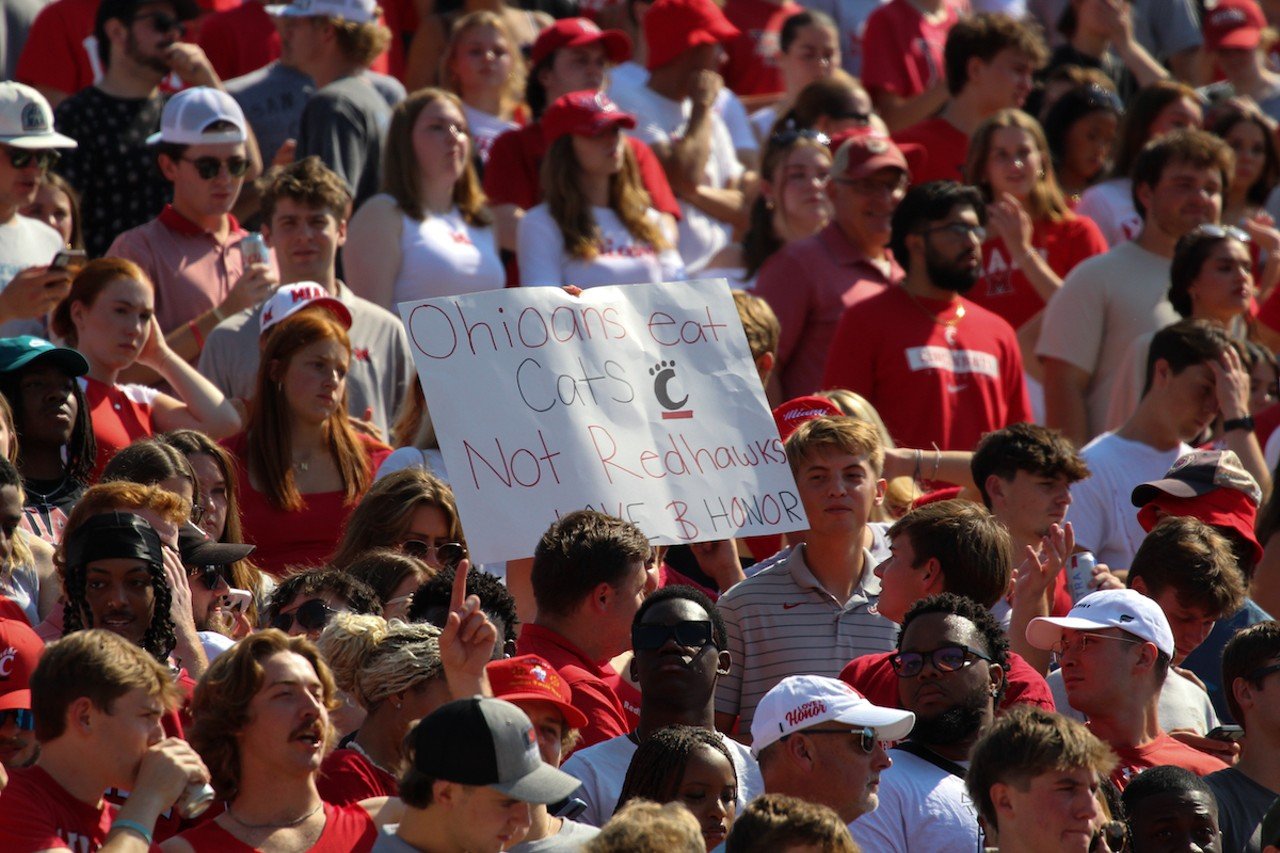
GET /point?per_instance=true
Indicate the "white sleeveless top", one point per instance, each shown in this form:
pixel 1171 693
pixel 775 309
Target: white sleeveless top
pixel 444 256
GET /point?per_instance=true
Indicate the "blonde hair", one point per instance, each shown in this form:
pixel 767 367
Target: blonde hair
pixel 855 405
pixel 514 87
pixel 1046 200
pixel 372 658
pixel 759 323
pixel 361 43
pixel 846 434
pixel 643 826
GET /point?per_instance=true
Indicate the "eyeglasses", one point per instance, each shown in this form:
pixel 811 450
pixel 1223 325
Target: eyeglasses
pixel 866 736
pixel 313 615
pixel 21 158
pixel 25 719
pixel 944 659
pixel 1116 835
pixel 447 554
pixel 960 229
pixel 790 134
pixel 197 513
pixel 693 635
pixel 1220 232
pixel 1083 641
pixel 161 22
pixel 212 576
pixel 1262 672
pixel 208 168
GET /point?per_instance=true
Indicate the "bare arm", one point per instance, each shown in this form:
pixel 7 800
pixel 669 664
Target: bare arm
pixel 1264 589
pixel 1012 223
pixel 372 254
pixel 50 583
pixel 506 221
pixel 1231 382
pixel 1065 390
pixel 200 405
pixel 899 113
pixel 422 64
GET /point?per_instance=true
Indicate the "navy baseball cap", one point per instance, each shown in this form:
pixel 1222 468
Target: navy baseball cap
pixel 16 353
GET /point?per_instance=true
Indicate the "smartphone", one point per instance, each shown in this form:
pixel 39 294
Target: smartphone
pixel 1230 734
pixel 237 599
pixel 71 260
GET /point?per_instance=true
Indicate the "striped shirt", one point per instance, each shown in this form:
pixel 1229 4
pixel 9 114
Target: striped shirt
pixel 781 622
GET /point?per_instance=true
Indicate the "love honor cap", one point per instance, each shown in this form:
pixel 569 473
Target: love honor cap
pixel 1126 609
pixel 804 701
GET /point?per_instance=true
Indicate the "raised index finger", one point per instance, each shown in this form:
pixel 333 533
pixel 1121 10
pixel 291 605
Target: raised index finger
pixel 458 597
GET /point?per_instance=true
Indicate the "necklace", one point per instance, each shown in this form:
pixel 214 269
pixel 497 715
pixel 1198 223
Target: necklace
pixel 353 744
pixel 949 326
pixel 286 825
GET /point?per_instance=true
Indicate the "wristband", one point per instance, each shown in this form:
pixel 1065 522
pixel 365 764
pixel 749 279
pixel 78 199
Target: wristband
pixel 1245 423
pixel 134 827
pixel 195 333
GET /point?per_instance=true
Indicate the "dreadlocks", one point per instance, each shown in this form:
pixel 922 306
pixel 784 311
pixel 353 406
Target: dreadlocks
pixel 658 764
pixel 159 638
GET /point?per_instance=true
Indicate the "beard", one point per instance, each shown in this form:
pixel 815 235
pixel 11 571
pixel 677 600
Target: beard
pixel 954 724
pixel 157 64
pixel 948 274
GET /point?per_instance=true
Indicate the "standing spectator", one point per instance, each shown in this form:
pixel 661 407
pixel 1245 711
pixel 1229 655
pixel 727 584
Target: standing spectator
pixel 303 604
pixel 483 68
pixel 1233 41
pixel 411 511
pixel 57 205
pixel 940 369
pixel 113 168
pixel 902 58
pixel 239 39
pixel 1252 138
pixel 1099 34
pixel 22 648
pixel 596 226
pixel 810 283
pixel 1169 807
pixel 429 233
pixel 752 65
pixel 1169 30
pixel 1109 300
pixel 344 122
pixel 28 580
pixel 806 48
pixel 1081 129
pixel 776 822
pixel 990 61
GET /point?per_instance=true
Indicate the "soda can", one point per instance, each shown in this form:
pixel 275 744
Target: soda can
pixel 254 249
pixel 195 800
pixel 1080 568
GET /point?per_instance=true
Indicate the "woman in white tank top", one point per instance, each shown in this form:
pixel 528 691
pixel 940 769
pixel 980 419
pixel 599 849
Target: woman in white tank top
pixel 482 67
pixel 429 232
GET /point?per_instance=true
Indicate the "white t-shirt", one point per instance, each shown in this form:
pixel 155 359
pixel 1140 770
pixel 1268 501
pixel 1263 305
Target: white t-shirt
pixel 632 75
pixel 659 121
pixel 622 259
pixel 762 121
pixel 1110 205
pixel 446 256
pixel 485 127
pixel 922 808
pixel 25 243
pixel 603 767
pixel 1183 705
pixel 1103 516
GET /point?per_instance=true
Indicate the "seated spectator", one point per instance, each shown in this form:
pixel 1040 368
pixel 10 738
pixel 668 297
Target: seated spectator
pixel 23 648
pixel 646 827
pixel 109 317
pixel 752 67
pixel 596 227
pixel 304 603
pixel 209 576
pixel 903 65
pixel 1251 137
pixel 393 576
pixel 1169 807
pixel 1034 777
pixel 482 66
pixel 833 106
pixel 300 464
pixel 432 602
pixel 1235 43
pixel 778 822
pixel 428 45
pixel 29 586
pixel 1081 128
pixel 411 511
pixel 97 700
pixel 807 49
pixel 429 232
pixel 151 462
pixel 57 205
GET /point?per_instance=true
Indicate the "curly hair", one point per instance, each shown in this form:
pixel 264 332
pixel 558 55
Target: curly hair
pixel 987 626
pixel 773 822
pixel 646 827
pixel 358 595
pixel 1024 447
pixel 373 659
pixel 658 763
pixel 436 593
pixel 309 183
pixel 385 513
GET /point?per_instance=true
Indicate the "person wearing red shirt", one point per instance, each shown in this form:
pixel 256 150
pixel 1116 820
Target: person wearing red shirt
pixel 240 39
pixel 589 577
pixel 98 701
pixel 990 59
pixel 902 65
pixel 939 369
pixel 750 64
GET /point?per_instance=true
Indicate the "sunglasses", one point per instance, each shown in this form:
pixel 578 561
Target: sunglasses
pixel 692 635
pixel 866 736
pixel 208 168
pixel 1115 833
pixel 1219 232
pixel 945 659
pixel 212 576
pixel 25 719
pixel 161 22
pixel 447 554
pixel 788 135
pixel 21 158
pixel 313 615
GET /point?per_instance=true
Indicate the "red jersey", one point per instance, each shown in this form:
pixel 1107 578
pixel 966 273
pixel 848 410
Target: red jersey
pixel 36 813
pixel 873 677
pixel 347 829
pixel 1004 289
pixel 588 679
pixel 61 51
pixel 933 375
pixel 120 414
pixel 751 58
pixel 303 538
pixel 945 144
pixel 1165 749
pixel 902 52
pixel 347 776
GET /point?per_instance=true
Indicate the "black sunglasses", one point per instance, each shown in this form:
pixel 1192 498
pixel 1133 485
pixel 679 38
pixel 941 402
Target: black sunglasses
pixel 1115 833
pixel 447 554
pixel 945 659
pixel 866 736
pixel 25 719
pixel 161 22
pixel 210 576
pixel 692 635
pixel 208 168
pixel 788 135
pixel 313 615
pixel 21 158
pixel 1262 672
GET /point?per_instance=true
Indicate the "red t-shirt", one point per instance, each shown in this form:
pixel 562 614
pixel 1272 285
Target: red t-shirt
pixel 61 52
pixel 303 538
pixel 873 677
pixel 751 58
pixel 347 777
pixel 945 144
pixel 1165 749
pixel 1005 290
pixel 1265 423
pixel 588 679
pixel 347 829
pixel 1269 313
pixel 240 40
pixel 36 813
pixel 901 51
pixel 120 414
pixel 929 382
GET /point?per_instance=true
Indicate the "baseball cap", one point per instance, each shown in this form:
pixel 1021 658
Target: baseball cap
pixel 1198 473
pixel 585 113
pixel 188 113
pixel 16 353
pixel 792 413
pixel 802 701
pixel 674 26
pixel 1233 24
pixel 580 32
pixel 864 151
pixel 1126 609
pixel 26 119
pixel 292 298
pixel 355 11
pixel 531 677
pixel 20 650
pixel 197 549
pixel 490 742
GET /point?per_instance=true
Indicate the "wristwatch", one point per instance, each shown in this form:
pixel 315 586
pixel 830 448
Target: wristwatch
pixel 1245 423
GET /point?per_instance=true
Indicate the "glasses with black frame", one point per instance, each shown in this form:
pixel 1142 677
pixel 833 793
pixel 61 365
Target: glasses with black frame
pixel 943 659
pixel 212 576
pixel 866 736
pixel 313 615
pixel 446 554
pixel 21 158
pixel 209 168
pixel 690 634
pixel 161 22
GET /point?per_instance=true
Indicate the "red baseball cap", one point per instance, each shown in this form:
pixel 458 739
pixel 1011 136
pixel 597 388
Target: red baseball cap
pixel 792 413
pixel 674 26
pixel 580 32
pixel 1233 24
pixel 860 152
pixel 585 113
pixel 530 677
pixel 20 650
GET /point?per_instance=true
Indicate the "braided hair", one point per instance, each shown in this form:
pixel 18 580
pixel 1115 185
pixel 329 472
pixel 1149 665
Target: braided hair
pixel 658 764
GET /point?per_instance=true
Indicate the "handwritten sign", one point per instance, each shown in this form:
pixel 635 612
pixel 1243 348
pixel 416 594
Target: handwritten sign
pixel 638 401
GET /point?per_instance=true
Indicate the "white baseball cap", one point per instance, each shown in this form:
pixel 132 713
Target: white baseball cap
pixel 26 119
pixel 292 298
pixel 802 701
pixel 1126 609
pixel 188 115
pixel 355 11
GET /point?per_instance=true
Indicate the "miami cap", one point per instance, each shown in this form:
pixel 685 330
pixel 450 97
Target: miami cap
pixel 355 11
pixel 530 677
pixel 1126 609
pixel 580 32
pixel 801 701
pixel 1233 25
pixel 189 114
pixel 26 119
pixel 585 113
pixel 292 298
pixel 792 413
pixel 673 26
pixel 20 650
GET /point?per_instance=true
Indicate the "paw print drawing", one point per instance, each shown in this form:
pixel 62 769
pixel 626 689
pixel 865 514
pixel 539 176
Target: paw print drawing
pixel 663 372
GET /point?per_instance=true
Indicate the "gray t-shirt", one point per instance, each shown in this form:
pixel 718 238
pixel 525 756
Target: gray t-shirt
pixel 380 361
pixel 344 124
pixel 1242 803
pixel 569 839
pixel 389 842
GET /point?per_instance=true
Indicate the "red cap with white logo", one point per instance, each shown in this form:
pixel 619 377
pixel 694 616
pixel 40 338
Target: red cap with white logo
pixel 1233 25
pixel 803 701
pixel 292 298
pixel 792 413
pixel 20 651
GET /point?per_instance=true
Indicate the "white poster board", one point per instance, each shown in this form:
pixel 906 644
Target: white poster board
pixel 638 401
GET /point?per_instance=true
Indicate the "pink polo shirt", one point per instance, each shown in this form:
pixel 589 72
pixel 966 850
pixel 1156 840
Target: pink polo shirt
pixel 192 271
pixel 809 283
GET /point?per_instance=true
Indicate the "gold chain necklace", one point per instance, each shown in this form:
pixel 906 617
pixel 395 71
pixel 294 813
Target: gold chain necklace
pixel 949 326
